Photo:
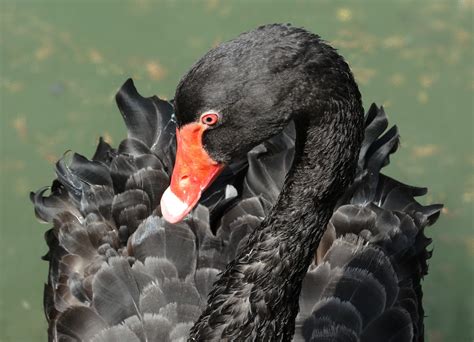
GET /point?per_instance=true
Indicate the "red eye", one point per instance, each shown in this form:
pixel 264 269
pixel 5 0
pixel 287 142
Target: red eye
pixel 209 119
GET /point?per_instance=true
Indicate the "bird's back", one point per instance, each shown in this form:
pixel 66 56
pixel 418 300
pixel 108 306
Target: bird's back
pixel 365 281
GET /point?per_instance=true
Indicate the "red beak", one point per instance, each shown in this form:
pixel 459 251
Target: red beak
pixel 194 170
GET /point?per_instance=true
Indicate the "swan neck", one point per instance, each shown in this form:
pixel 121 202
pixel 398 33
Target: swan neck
pixel 256 298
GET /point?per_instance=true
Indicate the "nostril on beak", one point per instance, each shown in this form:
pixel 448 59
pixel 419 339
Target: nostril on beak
pixel 184 180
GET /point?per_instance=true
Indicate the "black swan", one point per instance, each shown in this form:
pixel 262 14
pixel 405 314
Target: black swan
pixel 277 187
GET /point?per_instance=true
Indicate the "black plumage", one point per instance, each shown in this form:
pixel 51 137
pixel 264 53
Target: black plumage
pixel 119 272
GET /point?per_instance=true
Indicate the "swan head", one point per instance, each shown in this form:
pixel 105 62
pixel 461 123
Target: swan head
pixel 238 95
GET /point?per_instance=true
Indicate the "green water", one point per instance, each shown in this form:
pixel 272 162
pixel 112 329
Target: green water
pixel 62 61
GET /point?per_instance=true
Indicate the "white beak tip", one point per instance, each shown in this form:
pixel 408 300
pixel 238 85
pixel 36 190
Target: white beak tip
pixel 172 207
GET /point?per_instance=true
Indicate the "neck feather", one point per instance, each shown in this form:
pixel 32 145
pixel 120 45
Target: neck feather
pixel 256 297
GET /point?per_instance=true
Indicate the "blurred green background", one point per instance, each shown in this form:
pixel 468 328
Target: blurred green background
pixel 62 61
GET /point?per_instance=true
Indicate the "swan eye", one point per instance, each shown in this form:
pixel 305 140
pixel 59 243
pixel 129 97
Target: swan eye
pixel 209 119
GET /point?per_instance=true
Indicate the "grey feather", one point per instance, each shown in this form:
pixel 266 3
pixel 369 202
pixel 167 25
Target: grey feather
pixel 116 333
pixel 150 328
pixel 80 323
pixel 116 294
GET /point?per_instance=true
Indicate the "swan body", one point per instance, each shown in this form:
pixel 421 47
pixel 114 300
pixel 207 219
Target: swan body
pixel 299 209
